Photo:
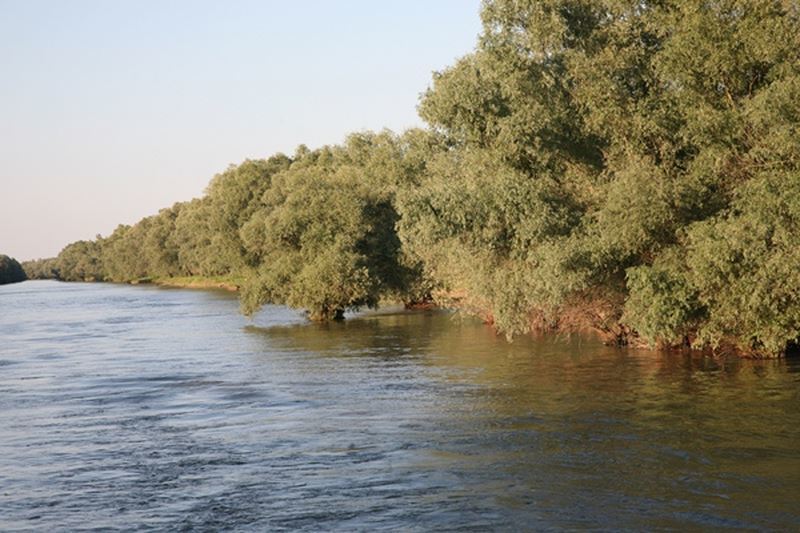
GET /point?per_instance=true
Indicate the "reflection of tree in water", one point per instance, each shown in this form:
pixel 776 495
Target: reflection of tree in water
pixel 543 374
pixel 565 422
pixel 590 420
pixel 372 334
pixel 557 374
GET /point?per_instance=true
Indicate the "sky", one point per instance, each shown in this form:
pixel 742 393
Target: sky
pixel 112 110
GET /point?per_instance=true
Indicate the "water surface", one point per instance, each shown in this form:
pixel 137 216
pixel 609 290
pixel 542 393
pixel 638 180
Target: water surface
pixel 144 408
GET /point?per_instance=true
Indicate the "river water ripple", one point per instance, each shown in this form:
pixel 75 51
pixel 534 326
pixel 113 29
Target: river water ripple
pixel 139 408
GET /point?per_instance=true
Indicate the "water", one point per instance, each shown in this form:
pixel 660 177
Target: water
pixel 145 408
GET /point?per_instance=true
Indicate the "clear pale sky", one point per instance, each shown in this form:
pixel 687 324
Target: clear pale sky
pixel 111 110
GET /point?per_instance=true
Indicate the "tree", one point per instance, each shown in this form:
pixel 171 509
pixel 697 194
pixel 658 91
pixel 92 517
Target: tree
pixel 80 261
pixel 640 125
pixel 41 268
pixel 324 235
pixel 10 270
pixel 624 165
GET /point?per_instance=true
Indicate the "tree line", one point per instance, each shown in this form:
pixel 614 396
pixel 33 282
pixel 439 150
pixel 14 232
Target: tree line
pixel 631 166
pixel 10 270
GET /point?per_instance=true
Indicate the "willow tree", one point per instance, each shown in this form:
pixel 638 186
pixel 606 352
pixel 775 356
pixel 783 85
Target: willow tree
pixel 589 142
pixel 41 268
pixel 81 261
pixel 207 229
pixel 324 236
pixel 232 198
pixel 10 270
pixel 160 244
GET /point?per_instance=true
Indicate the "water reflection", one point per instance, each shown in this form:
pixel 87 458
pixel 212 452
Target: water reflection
pixel 563 424
pixel 138 407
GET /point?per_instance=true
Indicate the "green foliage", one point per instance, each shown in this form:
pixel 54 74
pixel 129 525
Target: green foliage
pixel 325 232
pixel 41 268
pixel 201 251
pixel 663 305
pixel 480 228
pixel 10 270
pixel 587 144
pixel 626 165
pixel 80 261
pixel 316 231
pixel 745 266
pixel 232 198
pixel 160 245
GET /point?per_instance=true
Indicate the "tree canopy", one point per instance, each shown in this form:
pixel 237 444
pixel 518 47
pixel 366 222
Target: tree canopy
pixel 628 166
pixel 10 270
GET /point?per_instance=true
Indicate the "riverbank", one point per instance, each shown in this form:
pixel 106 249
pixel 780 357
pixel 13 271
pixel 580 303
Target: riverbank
pixel 227 283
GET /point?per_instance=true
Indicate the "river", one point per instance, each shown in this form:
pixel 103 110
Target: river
pixel 142 408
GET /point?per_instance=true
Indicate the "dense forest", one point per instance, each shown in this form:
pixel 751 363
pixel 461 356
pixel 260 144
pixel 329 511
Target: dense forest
pixel 629 166
pixel 10 270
